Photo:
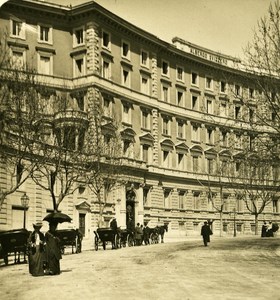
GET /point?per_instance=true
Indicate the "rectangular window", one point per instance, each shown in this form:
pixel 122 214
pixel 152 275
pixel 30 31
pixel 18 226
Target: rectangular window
pixel 223 87
pixel 79 67
pixel 145 85
pixel 45 65
pixel 17 29
pixel 106 40
pixel 180 129
pixel 107 107
pixel 196 201
pixel 126 114
pixel 224 139
pixel 210 136
pixel 195 164
pixel 223 109
pixel 165 126
pixel 194 78
pixel 275 205
pixel 180 98
pixel 78 37
pixel 181 200
pixel 195 133
pixel 144 58
pixel 237 112
pixel 126 77
pixel 180 73
pixel 237 90
pixel 251 93
pixel 210 166
pixel 165 68
pixel 165 93
pixel 194 102
pixel 180 162
pixel 165 159
pixel 167 198
pixel 106 73
pixel 125 50
pixel 18 60
pixel 145 153
pixel 45 34
pixel 209 83
pixel 209 106
pixel 145 120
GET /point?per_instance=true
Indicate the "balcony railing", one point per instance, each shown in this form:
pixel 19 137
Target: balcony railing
pixel 71 118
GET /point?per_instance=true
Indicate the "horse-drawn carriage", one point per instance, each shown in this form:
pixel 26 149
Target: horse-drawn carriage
pixel 105 235
pixel 70 238
pixel 13 241
pixel 127 238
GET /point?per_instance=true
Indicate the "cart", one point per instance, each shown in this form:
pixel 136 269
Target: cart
pixel 13 241
pixel 70 238
pixel 127 238
pixel 105 235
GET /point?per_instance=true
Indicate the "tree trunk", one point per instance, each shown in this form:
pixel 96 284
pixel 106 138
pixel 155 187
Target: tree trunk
pixel 256 224
pixel 221 223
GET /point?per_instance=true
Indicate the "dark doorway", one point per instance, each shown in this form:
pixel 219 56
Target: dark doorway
pixel 130 207
pixel 82 223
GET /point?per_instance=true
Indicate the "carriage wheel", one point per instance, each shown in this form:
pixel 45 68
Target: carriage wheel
pixel 96 243
pixel 130 240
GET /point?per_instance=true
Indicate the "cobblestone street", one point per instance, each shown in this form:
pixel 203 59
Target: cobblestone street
pixel 240 268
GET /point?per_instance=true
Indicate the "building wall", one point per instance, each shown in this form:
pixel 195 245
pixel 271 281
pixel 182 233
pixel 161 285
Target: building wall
pixel 161 70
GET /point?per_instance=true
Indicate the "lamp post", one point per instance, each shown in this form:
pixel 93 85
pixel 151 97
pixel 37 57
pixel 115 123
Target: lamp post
pixel 234 221
pixel 24 202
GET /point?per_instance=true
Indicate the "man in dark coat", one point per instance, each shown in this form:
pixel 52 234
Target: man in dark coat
pixel 206 232
pixel 146 233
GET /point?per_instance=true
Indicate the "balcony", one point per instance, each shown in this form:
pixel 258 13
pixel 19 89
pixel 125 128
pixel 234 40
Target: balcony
pixel 71 118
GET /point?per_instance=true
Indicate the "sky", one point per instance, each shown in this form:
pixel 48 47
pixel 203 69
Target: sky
pixel 225 26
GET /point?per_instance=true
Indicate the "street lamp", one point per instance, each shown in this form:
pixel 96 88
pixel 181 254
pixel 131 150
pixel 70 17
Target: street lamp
pixel 234 225
pixel 24 202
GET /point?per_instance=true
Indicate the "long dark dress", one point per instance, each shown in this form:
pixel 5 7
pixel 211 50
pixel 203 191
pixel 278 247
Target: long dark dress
pixel 36 258
pixel 206 232
pixel 53 253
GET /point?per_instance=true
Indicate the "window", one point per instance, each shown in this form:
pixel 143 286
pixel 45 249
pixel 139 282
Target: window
pixel 79 68
pixel 125 50
pixel 107 107
pixel 209 106
pixel 145 85
pixel 180 73
pixel 17 29
pixel 78 37
pixel 196 201
pixel 210 166
pixel 166 195
pixel 237 112
pixel 165 93
pixel 223 87
pixel 126 147
pixel 45 34
pixel 223 109
pixel 145 120
pixel 106 69
pixel 126 113
pixel 145 153
pixel 125 77
pixel 180 161
pixel 195 164
pixel 224 138
pixel 210 136
pixel 208 83
pixel 194 102
pixel 45 65
pixel 238 139
pixel 237 90
pixel 181 196
pixel 180 129
pixel 144 58
pixel 165 68
pixel 106 40
pixel 251 115
pixel 180 98
pixel 275 205
pixel 165 126
pixel 251 93
pixel 194 78
pixel 195 133
pixel 18 59
pixel 165 158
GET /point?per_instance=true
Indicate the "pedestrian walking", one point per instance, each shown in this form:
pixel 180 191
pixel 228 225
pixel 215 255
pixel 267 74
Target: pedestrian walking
pixel 146 234
pixel 53 252
pixel 264 229
pixel 206 232
pixel 138 234
pixel 36 247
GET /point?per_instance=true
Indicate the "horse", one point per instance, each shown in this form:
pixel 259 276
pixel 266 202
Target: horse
pixel 161 230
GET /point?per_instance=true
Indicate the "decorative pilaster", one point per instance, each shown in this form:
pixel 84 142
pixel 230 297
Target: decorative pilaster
pixel 155 135
pixel 92 42
pixel 154 76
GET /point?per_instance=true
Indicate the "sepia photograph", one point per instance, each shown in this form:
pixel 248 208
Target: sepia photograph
pixel 139 149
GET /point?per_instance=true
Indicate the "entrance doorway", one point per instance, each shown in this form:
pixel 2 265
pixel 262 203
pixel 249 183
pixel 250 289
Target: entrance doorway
pixel 130 208
pixel 82 223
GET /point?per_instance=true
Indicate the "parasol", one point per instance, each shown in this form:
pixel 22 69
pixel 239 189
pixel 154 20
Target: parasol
pixel 57 217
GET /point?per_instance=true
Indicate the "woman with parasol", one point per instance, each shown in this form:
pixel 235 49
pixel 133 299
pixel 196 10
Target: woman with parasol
pixel 53 252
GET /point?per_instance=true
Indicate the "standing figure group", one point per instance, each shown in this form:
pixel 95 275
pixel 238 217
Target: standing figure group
pixel 268 229
pixel 44 251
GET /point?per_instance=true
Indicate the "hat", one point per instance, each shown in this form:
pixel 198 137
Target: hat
pixel 37 225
